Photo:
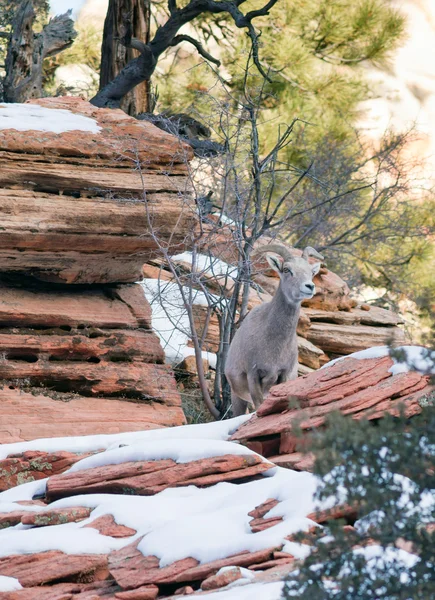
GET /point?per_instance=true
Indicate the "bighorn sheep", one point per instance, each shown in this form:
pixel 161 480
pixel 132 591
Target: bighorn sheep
pixel 264 350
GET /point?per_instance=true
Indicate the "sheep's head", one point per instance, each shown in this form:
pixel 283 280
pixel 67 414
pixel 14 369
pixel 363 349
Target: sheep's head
pixel 296 273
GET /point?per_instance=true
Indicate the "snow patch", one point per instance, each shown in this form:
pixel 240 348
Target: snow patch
pixel 207 265
pixel 25 491
pixel 203 523
pixel 32 117
pixel 169 316
pixel 9 584
pixel 217 430
pixel 415 359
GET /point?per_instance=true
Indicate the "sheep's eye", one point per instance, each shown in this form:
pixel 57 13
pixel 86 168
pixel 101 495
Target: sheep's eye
pixel 287 270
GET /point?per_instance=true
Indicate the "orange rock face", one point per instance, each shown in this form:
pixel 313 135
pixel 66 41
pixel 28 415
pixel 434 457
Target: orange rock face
pixel 72 204
pixel 61 347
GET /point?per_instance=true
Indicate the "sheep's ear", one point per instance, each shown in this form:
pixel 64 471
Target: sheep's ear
pixel 276 262
pixel 316 268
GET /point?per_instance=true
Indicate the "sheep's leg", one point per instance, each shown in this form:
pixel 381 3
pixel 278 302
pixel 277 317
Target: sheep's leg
pixel 255 388
pixel 269 382
pixel 239 406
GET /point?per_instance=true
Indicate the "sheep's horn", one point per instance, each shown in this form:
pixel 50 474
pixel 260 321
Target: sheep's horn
pixel 277 248
pixel 309 251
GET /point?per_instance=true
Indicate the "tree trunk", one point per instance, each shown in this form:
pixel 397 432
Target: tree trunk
pixel 115 56
pixel 27 50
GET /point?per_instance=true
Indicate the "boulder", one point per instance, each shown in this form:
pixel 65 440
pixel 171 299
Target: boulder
pixel 106 525
pixel 44 567
pixel 71 203
pixel 346 339
pixel 60 346
pixel 33 465
pixel 151 477
pixel 355 387
pixel 56 516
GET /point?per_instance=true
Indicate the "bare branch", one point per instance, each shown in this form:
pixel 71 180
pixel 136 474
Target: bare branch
pixel 141 68
pixel 201 50
pixel 172 6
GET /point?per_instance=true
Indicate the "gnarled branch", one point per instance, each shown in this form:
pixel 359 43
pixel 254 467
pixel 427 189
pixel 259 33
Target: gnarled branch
pixel 27 50
pixel 141 68
pixel 201 50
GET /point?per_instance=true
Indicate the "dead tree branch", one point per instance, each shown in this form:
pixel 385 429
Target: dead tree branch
pixel 142 67
pixel 27 51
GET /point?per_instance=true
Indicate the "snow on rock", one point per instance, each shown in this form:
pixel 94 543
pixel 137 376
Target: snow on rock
pixel 169 316
pixel 206 524
pixel 32 117
pixel 9 584
pixel 218 430
pixel 206 264
pixel 180 452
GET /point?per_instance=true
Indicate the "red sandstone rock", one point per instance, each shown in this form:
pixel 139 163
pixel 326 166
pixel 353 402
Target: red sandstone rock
pixel 261 524
pixel 345 339
pixel 337 512
pixel 312 417
pixel 65 591
pixel 346 386
pixel 331 378
pixel 10 519
pixel 138 380
pixel 146 592
pixel 332 293
pixel 185 590
pixel 269 564
pixel 44 567
pixel 266 446
pixel 114 307
pixel 32 465
pixel 93 238
pixel 56 516
pixel 131 569
pixel 144 478
pixel 373 315
pixel 263 509
pixel 243 559
pixel 78 481
pixel 24 416
pixel 107 525
pixel 222 579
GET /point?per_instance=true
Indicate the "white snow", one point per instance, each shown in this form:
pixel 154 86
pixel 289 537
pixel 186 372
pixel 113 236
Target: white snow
pixel 6 507
pixel 32 117
pixel 217 430
pixel 224 219
pixel 415 359
pixel 204 523
pixel 207 265
pixel 169 316
pixel 209 356
pixel 25 491
pixel 9 584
